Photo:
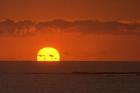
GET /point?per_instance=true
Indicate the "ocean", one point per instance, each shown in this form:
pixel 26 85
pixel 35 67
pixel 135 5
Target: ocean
pixel 70 77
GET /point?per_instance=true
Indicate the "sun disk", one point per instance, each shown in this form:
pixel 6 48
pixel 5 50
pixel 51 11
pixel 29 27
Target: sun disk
pixel 48 54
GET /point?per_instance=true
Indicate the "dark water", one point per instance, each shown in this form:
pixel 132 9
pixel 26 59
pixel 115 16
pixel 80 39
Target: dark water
pixel 32 77
pixel 69 83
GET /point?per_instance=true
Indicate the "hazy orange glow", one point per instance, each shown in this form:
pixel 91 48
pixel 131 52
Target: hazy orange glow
pixel 48 54
pixel 70 9
pixel 79 29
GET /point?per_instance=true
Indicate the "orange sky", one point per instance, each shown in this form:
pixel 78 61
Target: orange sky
pixel 124 10
pixel 88 29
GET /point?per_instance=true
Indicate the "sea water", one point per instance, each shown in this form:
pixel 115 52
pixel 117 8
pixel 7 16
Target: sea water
pixel 33 77
pixel 69 83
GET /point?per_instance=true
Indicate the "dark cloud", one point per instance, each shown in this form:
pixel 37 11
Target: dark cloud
pixel 27 27
pixel 9 27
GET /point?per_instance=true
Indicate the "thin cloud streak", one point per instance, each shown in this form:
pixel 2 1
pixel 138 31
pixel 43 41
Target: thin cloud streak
pixel 27 27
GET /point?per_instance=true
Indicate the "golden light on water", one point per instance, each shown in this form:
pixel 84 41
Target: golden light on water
pixel 48 54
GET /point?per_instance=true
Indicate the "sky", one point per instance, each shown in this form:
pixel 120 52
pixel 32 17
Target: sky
pixel 124 10
pixel 79 29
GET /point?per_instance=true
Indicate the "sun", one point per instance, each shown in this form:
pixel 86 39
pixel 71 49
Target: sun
pixel 48 54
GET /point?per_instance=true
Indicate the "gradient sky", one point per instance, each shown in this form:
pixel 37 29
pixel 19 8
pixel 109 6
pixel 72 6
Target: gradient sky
pixel 124 10
pixel 84 29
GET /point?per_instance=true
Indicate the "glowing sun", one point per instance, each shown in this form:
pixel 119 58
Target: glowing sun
pixel 48 54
